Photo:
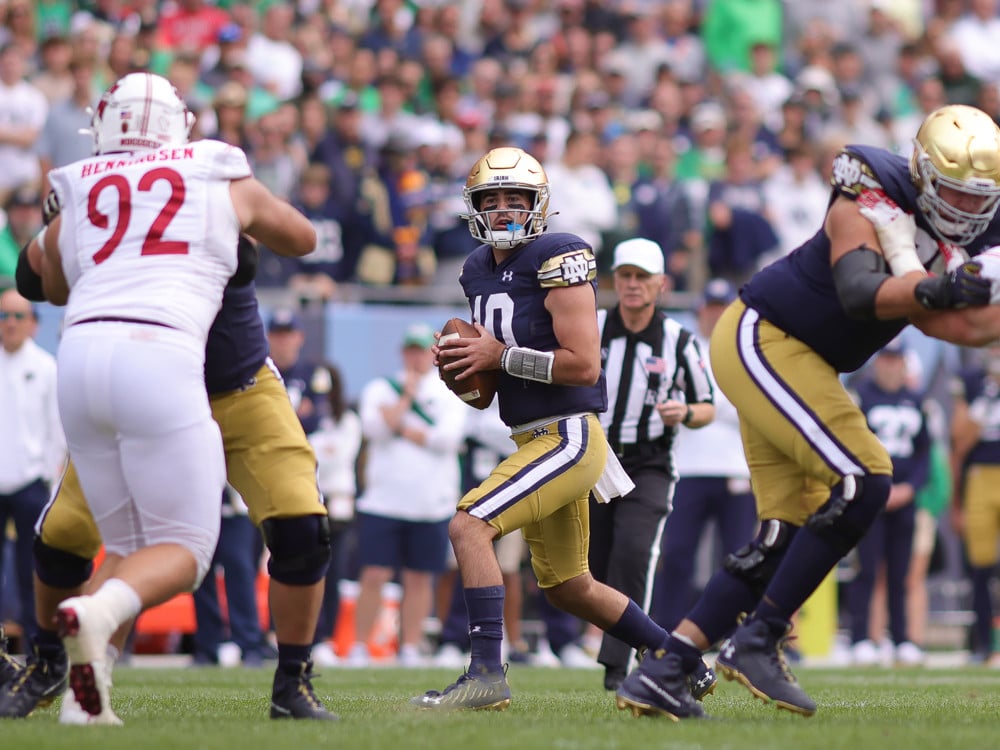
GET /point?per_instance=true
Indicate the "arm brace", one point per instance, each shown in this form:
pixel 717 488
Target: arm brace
pixel 857 276
pixel 530 364
pixel 29 283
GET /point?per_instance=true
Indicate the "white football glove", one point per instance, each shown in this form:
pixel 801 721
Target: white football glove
pixel 989 260
pixel 896 230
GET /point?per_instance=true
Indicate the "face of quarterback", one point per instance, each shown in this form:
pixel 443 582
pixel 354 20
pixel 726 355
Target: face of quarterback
pixel 509 210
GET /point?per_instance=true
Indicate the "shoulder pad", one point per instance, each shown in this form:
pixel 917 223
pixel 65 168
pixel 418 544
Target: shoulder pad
pixel 851 175
pixel 568 269
pixel 227 162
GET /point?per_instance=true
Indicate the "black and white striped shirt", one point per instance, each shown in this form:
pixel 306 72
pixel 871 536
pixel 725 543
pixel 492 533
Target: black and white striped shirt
pixel 663 361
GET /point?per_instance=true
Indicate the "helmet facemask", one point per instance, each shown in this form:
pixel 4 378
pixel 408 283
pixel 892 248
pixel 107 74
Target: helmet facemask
pixel 952 224
pixel 957 148
pixel 481 221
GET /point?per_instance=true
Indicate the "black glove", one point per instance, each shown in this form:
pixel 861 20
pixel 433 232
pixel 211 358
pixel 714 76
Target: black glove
pixel 963 287
pixel 50 207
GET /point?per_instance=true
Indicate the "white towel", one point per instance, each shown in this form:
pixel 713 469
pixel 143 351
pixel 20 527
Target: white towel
pixel 614 482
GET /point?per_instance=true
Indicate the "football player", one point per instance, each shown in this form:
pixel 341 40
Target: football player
pixel 268 460
pixel 533 300
pixel 975 460
pixel 819 474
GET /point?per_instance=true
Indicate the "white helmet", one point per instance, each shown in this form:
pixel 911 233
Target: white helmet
pixel 141 111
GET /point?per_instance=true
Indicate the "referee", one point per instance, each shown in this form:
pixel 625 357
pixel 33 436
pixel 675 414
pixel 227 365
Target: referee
pixel 656 381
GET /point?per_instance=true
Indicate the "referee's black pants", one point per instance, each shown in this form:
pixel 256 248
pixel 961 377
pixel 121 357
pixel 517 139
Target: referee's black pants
pixel 625 542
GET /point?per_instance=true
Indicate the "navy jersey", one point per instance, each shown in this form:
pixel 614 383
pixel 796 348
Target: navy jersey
pixel 899 422
pixel 982 393
pixel 797 293
pixel 237 347
pixel 508 299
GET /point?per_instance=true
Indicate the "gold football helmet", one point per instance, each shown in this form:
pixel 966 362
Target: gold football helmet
pixel 512 169
pixel 957 147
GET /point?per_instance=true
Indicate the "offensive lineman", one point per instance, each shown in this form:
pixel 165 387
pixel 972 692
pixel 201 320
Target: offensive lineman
pixel 820 475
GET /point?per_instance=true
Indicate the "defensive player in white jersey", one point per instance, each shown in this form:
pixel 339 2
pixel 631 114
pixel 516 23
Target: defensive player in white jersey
pixel 144 243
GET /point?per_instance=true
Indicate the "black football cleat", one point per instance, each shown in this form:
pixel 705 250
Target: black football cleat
pixel 659 687
pixel 754 657
pixel 293 697
pixel 9 669
pixel 701 681
pixel 487 691
pixel 37 684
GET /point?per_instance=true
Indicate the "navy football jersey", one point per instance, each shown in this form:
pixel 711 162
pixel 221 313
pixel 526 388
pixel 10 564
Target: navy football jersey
pixel 898 421
pixel 797 293
pixel 508 299
pixel 237 347
pixel 982 394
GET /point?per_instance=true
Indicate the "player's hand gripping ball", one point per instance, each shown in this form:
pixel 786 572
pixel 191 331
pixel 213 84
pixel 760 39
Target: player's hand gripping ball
pixel 479 388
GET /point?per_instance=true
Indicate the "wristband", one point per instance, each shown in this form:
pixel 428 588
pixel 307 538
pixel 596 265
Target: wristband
pixel 688 415
pixel 530 364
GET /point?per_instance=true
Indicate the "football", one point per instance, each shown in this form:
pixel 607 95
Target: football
pixel 478 389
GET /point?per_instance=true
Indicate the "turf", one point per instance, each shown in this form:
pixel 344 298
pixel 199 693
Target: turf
pixel 558 709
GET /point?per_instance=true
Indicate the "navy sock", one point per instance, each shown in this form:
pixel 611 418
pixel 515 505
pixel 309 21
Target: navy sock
pixel 485 605
pixel 690 655
pixel 718 609
pixel 291 657
pixel 49 644
pixel 810 557
pixel 636 629
pixel 983 626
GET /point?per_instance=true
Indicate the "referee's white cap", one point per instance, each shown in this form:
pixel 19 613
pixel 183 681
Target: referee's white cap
pixel 639 252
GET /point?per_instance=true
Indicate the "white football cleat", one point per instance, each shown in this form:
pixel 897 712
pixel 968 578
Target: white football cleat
pixel 85 632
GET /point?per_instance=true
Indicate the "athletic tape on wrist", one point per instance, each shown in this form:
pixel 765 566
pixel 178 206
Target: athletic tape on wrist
pixel 529 364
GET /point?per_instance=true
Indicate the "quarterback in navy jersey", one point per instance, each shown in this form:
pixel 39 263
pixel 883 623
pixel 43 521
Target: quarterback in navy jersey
pixel 533 300
pixel 819 474
pixel 270 463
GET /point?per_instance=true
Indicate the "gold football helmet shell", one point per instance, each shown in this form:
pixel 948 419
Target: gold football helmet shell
pixel 957 147
pixel 512 169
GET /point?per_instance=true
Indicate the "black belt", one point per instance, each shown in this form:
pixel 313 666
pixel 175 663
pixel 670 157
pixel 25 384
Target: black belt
pixel 644 449
pixel 124 320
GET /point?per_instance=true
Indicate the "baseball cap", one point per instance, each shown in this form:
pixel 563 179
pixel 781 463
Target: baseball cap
pixel 419 334
pixel 639 252
pixel 284 320
pixel 718 292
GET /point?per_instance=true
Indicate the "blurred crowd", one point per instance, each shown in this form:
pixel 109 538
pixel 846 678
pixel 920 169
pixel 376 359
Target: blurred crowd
pixel 705 125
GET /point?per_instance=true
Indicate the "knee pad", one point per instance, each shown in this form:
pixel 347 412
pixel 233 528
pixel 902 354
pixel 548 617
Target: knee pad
pixel 755 563
pixel 300 548
pixel 59 569
pixel 853 506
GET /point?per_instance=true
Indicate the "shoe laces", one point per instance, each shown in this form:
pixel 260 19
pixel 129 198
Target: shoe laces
pixel 464 678
pixel 304 686
pixel 18 683
pixel 779 657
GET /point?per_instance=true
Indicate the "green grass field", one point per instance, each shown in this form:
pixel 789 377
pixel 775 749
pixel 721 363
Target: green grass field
pixel 552 708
